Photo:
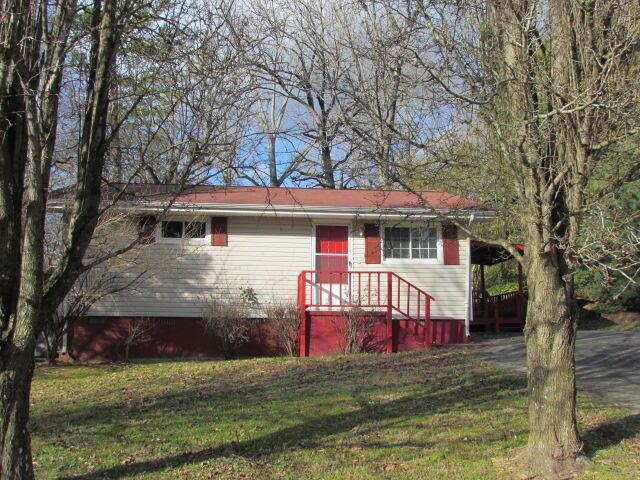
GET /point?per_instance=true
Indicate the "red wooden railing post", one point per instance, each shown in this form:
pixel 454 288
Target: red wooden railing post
pixel 416 324
pixel 520 298
pixel 330 289
pixel 303 350
pixel 428 326
pixel 390 341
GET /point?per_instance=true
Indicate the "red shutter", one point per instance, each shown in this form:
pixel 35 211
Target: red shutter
pixel 371 243
pixel 147 229
pixel 219 237
pixel 450 245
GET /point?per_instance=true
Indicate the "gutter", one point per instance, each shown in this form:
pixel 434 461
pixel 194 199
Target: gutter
pixel 293 211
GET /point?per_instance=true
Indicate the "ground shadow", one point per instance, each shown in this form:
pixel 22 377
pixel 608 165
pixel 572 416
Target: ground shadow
pixel 591 318
pixel 609 434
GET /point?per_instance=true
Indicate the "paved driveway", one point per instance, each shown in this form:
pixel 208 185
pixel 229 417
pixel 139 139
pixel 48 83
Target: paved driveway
pixel 607 363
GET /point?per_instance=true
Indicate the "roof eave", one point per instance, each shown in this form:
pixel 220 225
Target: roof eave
pixel 475 214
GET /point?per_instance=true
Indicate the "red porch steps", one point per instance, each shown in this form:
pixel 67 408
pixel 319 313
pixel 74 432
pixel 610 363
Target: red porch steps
pixel 402 309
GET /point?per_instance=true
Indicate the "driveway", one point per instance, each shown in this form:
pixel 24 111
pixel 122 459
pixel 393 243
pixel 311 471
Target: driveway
pixel 607 363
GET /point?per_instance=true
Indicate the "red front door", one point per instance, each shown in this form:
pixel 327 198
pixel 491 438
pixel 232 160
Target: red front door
pixel 332 255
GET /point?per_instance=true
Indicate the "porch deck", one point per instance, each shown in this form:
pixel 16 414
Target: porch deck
pixel 499 313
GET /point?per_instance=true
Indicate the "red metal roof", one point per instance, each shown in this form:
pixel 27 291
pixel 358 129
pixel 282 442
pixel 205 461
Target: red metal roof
pixel 284 196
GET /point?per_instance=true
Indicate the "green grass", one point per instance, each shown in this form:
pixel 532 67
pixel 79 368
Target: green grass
pixel 439 415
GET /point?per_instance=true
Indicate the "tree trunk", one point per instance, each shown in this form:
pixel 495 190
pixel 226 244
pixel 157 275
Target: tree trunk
pixel 555 448
pixel 53 346
pixel 17 369
pixel 327 166
pixel 273 161
pixel 15 387
pixel 18 361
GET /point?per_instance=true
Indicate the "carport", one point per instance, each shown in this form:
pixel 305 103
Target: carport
pixel 497 313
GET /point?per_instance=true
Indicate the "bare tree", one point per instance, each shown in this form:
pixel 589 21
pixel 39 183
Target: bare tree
pixel 271 116
pixel 44 36
pixel 307 73
pixel 190 126
pixel 116 276
pixel 543 86
pixel 378 82
pixel 37 40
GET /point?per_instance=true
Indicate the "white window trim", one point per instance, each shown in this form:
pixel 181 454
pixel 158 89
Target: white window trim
pixel 413 261
pixel 185 241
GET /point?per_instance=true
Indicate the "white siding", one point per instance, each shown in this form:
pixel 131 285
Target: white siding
pixel 267 254
pixel 447 284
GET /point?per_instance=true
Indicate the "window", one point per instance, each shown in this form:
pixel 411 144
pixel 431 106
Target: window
pixel 411 243
pixel 180 229
pixel 172 229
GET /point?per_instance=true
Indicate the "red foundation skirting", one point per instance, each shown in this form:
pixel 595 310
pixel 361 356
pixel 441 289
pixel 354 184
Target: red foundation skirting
pixel 102 338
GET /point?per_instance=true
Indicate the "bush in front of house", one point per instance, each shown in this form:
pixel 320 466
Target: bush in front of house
pixel 284 318
pixel 227 317
pixel 138 332
pixel 356 329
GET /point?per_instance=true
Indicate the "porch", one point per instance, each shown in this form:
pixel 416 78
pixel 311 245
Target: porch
pixel 501 312
pixel 399 313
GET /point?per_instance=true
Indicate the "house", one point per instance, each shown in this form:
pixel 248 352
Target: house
pixel 395 253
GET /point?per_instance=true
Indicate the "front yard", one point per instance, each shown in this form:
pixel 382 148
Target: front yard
pixel 439 414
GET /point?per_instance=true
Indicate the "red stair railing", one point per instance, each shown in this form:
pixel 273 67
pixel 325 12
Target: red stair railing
pixel 386 291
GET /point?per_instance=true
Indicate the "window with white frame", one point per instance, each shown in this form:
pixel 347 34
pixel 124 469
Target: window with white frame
pixel 411 243
pixel 177 229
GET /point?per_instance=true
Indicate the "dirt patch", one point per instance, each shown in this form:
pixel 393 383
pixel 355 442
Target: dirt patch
pixel 593 316
pixel 624 320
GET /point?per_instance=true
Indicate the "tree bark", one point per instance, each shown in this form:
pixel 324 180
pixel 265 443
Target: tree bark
pixel 17 371
pixel 274 181
pixel 18 364
pixel 15 388
pixel 328 171
pixel 555 449
pixel 13 150
pixel 21 327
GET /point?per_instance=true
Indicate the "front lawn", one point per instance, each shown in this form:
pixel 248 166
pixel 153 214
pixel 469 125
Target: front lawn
pixel 439 414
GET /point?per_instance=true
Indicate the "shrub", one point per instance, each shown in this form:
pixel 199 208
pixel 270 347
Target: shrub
pixel 138 332
pixel 285 320
pixel 226 316
pixel 357 330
